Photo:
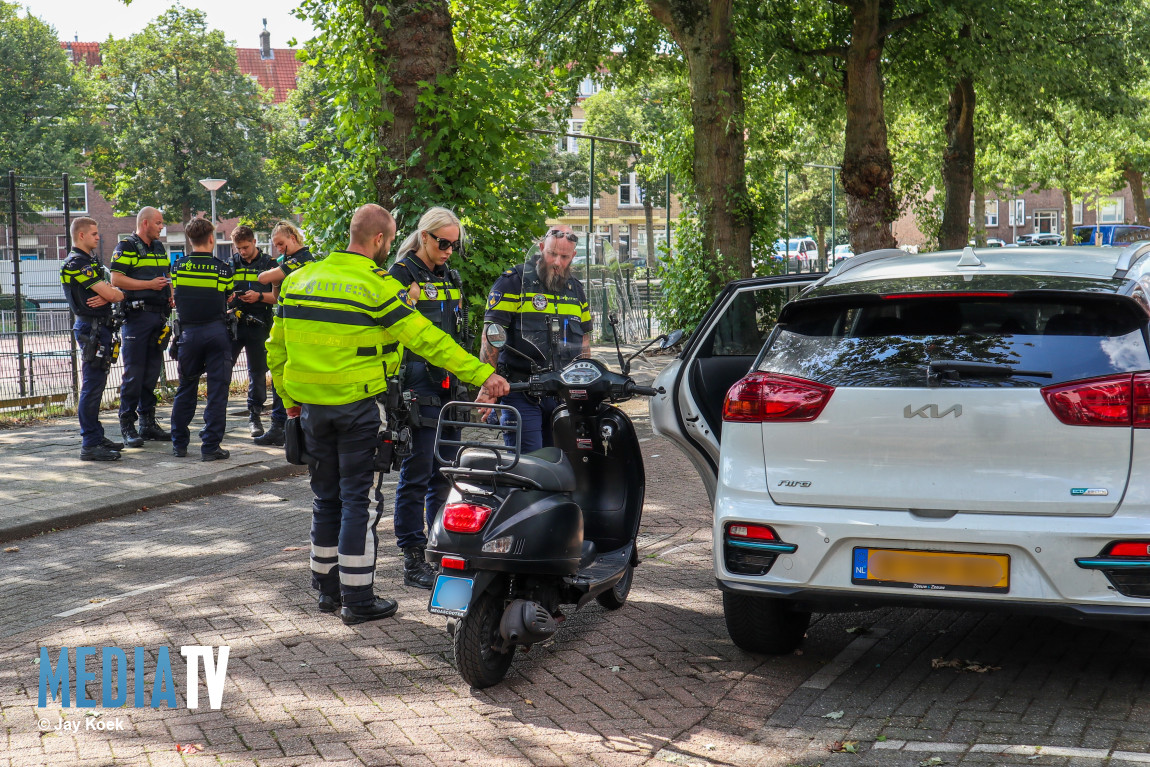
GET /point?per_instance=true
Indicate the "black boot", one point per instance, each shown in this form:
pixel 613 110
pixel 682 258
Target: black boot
pixel 377 608
pixel 132 437
pixel 255 425
pixel 416 570
pixel 151 430
pixel 273 436
pixel 98 453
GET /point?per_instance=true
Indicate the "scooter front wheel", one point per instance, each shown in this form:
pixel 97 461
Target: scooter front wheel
pixel 616 596
pixel 478 662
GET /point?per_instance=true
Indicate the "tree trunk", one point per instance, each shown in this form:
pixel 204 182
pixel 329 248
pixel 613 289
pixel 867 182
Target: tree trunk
pixel 979 218
pixel 867 171
pixel 1137 191
pixel 703 31
pixel 417 46
pixel 1067 218
pixel 821 245
pixel 649 215
pixel 958 166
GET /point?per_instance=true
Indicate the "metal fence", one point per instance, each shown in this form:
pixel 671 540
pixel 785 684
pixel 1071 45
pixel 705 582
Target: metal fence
pixel 39 360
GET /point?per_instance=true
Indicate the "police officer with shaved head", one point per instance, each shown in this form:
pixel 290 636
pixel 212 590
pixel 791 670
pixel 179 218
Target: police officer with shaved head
pixel 140 268
pixel 333 346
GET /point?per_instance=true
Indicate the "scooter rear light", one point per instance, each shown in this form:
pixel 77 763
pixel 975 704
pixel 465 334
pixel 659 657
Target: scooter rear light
pixel 453 563
pixel 465 517
pixel 762 397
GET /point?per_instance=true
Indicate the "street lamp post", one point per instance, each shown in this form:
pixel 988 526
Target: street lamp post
pixel 212 184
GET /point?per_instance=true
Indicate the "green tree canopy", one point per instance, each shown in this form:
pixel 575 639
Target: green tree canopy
pixel 44 121
pixel 178 109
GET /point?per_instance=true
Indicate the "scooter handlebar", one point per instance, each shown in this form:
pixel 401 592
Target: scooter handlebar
pixel 519 386
pixel 649 391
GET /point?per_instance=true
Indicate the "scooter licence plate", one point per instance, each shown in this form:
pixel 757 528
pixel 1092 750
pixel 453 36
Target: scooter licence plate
pixel 450 595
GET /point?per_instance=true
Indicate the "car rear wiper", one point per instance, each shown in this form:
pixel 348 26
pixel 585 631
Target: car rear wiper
pixel 954 369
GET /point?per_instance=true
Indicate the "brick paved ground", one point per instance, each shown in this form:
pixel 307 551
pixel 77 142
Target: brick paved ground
pixel 657 682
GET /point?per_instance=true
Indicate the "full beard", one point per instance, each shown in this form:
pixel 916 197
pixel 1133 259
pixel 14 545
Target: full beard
pixel 553 280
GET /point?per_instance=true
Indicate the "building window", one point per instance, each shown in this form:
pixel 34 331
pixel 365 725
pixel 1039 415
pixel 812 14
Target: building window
pixel 1077 213
pixel 991 212
pixel 1111 211
pixel 588 87
pixel 1017 213
pixel 77 200
pixel 629 191
pixel 574 126
pixel 1045 221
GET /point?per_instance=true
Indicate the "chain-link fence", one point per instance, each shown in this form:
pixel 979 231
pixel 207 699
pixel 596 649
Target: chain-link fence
pixel 39 361
pixel 625 236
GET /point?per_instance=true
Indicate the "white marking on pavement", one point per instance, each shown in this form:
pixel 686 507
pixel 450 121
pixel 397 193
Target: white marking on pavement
pixel 823 678
pixel 999 748
pixel 125 595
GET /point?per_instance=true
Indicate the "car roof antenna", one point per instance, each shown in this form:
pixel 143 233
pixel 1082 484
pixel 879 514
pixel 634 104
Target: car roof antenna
pixel 969 258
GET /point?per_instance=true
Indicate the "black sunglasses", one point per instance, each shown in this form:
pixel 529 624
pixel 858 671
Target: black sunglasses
pixel 570 236
pixel 443 242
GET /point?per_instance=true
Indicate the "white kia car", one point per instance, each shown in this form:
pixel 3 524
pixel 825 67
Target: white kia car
pixel 959 429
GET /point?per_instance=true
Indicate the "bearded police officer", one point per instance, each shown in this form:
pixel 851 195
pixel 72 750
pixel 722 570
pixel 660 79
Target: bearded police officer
pixel 331 349
pixel 251 309
pixel 544 313
pixel 141 269
pixel 203 284
pixel 90 298
pixel 436 292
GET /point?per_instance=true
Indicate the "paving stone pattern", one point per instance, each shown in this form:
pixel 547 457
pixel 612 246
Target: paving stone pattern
pixel 657 682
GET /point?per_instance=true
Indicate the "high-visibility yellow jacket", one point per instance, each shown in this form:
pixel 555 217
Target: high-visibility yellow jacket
pixel 342 325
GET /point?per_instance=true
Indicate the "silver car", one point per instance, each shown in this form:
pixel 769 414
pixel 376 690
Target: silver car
pixel 956 429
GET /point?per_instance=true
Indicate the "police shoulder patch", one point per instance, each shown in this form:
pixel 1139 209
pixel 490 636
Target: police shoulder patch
pixel 493 299
pixel 405 298
pixel 89 272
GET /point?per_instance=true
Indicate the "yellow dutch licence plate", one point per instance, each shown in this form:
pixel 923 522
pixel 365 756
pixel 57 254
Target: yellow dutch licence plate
pixel 931 570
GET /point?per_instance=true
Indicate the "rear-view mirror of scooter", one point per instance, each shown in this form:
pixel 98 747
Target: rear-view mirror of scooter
pixel 534 534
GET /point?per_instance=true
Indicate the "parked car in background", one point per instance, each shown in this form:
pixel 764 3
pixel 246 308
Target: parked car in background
pixel 1048 239
pixel 994 242
pixel 1110 234
pixel 801 249
pixel 942 430
pixel 841 252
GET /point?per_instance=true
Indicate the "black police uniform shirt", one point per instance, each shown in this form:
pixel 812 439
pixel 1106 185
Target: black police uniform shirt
pixel 289 264
pixel 132 258
pixel 203 284
pixel 246 275
pixel 438 300
pixel 79 274
pixel 524 306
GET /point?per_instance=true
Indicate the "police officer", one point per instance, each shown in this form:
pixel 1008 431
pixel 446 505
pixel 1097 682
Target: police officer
pixel 90 298
pixel 203 284
pixel 527 301
pixel 335 341
pixel 288 242
pixel 435 291
pixel 141 269
pixel 251 313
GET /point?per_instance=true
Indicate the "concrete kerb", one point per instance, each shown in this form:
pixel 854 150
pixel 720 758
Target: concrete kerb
pixel 131 502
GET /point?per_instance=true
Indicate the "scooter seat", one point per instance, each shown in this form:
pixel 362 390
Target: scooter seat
pixel 549 467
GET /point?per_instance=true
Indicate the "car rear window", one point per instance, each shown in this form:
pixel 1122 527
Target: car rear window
pixel 1020 342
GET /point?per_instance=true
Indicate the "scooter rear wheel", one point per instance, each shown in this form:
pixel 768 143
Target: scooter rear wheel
pixel 616 596
pixel 479 664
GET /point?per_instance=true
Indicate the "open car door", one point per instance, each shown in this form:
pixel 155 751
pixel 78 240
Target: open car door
pixel 719 352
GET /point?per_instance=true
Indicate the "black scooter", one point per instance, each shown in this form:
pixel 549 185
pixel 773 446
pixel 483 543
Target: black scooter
pixel 535 531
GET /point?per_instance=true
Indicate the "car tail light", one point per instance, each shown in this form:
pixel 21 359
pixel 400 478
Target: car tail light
pixel 1122 400
pixel 751 532
pixel 465 517
pixel 1129 549
pixel 771 397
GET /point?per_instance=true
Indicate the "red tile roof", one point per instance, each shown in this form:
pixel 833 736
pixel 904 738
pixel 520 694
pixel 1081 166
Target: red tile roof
pixel 89 53
pixel 277 74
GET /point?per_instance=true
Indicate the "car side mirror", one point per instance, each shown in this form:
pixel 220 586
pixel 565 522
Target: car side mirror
pixel 496 335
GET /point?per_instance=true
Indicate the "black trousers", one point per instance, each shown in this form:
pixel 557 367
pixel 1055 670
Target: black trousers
pixel 203 349
pixel 143 362
pixel 342 440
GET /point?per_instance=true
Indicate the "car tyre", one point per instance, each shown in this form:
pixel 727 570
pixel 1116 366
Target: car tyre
pixel 764 624
pixel 479 663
